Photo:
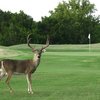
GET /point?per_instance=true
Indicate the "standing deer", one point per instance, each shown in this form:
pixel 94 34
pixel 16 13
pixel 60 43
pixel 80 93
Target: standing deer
pixel 9 67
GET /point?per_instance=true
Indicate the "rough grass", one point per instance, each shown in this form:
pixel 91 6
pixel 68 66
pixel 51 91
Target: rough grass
pixel 66 72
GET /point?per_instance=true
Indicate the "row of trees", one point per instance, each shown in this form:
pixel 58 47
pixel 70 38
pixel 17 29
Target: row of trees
pixel 69 23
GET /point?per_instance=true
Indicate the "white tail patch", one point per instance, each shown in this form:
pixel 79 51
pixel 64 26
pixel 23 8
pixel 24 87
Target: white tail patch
pixel 2 70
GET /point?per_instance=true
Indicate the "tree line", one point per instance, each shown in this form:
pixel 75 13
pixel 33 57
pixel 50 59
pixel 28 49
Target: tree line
pixel 69 23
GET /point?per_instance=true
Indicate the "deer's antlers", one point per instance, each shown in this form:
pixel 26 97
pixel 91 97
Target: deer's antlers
pixel 47 43
pixel 28 42
pixel 33 49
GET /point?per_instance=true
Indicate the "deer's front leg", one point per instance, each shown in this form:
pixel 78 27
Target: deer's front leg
pixel 29 81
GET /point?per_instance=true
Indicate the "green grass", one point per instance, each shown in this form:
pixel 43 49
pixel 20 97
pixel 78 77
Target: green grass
pixel 66 72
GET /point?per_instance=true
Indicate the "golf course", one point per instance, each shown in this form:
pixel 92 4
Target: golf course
pixel 66 72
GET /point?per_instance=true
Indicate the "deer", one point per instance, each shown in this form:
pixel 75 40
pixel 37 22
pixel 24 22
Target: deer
pixel 9 67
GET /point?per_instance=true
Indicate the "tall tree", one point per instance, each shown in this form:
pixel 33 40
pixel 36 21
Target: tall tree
pixel 74 21
pixel 14 27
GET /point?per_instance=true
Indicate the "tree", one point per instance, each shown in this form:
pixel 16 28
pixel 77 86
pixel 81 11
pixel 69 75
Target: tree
pixel 14 27
pixel 71 22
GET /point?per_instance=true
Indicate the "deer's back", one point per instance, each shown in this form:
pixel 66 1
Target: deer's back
pixel 20 66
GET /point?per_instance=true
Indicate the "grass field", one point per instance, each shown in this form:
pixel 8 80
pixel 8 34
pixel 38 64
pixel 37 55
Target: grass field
pixel 66 72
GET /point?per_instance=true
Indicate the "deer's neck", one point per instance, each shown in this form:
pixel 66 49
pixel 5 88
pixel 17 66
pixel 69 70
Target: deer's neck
pixel 36 61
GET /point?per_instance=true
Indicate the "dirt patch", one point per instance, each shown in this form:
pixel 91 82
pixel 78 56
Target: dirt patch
pixel 1 50
pixel 8 53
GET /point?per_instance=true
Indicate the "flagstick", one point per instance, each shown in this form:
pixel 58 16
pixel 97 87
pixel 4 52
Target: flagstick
pixel 89 44
pixel 89 37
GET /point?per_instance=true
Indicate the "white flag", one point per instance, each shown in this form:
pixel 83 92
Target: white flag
pixel 89 36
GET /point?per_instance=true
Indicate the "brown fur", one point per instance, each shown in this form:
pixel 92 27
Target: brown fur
pixel 19 66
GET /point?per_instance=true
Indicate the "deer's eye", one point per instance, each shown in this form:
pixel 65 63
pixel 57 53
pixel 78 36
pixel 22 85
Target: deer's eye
pixel 38 56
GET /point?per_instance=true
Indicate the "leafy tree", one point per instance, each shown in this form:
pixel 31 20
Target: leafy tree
pixel 71 22
pixel 14 27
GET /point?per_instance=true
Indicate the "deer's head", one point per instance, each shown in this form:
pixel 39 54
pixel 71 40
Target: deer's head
pixel 37 52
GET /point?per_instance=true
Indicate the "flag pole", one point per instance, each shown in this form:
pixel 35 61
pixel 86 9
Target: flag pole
pixel 89 37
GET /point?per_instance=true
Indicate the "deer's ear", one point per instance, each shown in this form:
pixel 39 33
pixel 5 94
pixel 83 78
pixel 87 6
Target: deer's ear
pixel 44 50
pixel 34 50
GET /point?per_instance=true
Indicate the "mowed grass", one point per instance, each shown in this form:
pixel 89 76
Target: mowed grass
pixel 66 72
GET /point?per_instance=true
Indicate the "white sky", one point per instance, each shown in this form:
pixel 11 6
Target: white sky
pixel 35 8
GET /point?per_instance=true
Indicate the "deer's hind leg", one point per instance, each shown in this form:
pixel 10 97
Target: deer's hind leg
pixel 9 75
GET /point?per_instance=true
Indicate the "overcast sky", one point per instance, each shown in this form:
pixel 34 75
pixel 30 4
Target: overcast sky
pixel 35 8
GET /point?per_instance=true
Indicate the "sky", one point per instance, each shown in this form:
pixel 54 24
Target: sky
pixel 36 8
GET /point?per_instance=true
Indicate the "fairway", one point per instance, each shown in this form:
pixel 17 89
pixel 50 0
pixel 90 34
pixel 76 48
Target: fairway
pixel 66 72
